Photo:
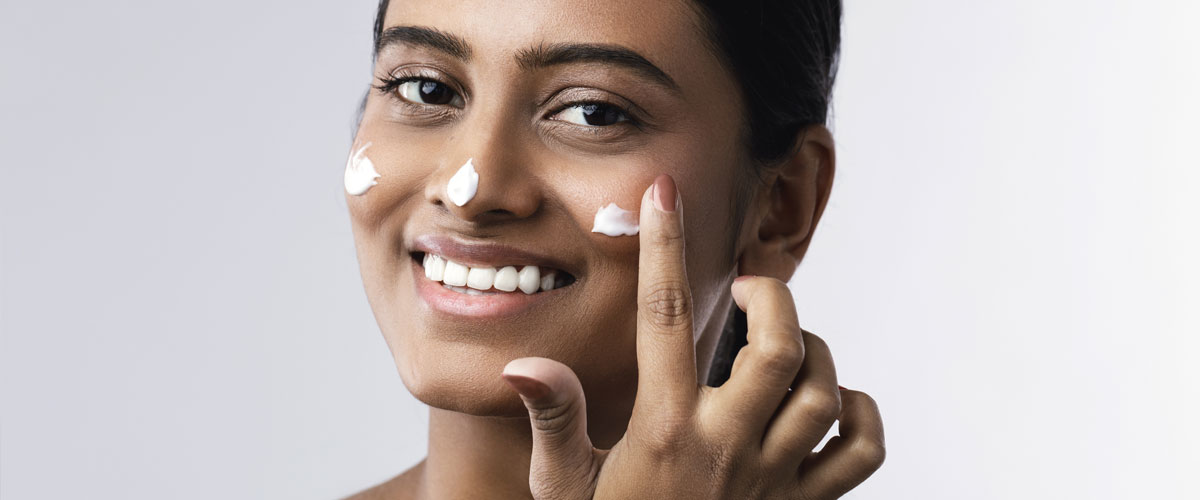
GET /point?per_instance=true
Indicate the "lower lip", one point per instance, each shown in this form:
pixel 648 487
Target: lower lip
pixel 448 301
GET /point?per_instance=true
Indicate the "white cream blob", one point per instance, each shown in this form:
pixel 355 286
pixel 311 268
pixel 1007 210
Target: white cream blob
pixel 615 221
pixel 360 172
pixel 464 184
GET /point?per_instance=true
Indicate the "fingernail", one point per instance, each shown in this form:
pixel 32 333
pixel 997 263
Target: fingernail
pixel 664 193
pixel 528 387
pixel 743 277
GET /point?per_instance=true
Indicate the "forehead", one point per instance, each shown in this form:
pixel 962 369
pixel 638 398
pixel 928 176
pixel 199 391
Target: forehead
pixel 666 32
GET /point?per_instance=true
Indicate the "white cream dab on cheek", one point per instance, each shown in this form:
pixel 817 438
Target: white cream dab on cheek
pixel 612 220
pixel 464 184
pixel 360 172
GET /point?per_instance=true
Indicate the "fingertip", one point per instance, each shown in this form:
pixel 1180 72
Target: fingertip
pixel 665 195
pixel 520 367
pixel 661 230
pixel 526 376
pixel 526 386
pixel 737 289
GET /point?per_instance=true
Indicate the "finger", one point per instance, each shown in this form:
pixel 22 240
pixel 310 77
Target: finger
pixel 562 462
pixel 809 411
pixel 851 457
pixel 767 365
pixel 666 352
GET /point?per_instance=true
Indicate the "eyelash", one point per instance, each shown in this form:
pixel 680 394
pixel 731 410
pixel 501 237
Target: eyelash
pixel 389 84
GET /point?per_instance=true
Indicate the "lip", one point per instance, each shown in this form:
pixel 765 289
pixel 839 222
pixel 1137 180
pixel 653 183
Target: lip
pixel 450 302
pixel 486 254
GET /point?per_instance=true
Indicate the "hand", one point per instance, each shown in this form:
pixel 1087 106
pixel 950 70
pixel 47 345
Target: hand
pixel 749 438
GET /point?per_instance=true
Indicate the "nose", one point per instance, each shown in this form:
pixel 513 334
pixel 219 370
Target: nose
pixel 507 186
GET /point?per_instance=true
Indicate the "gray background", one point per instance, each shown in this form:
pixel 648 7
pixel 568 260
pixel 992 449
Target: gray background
pixel 1008 263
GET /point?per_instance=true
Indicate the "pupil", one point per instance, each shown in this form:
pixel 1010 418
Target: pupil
pixel 434 93
pixel 596 114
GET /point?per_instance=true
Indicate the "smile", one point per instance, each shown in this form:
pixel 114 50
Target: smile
pixel 486 280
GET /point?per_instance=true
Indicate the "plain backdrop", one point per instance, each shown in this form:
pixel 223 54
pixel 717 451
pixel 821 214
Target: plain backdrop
pixel 1008 263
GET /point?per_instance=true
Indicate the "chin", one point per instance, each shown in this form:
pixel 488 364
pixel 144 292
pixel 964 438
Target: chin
pixel 461 384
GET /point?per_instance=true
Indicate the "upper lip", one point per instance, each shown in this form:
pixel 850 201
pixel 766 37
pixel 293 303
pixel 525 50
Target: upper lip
pixel 481 254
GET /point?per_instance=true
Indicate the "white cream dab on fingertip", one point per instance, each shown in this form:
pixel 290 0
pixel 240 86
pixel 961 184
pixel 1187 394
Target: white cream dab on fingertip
pixel 614 221
pixel 463 186
pixel 360 172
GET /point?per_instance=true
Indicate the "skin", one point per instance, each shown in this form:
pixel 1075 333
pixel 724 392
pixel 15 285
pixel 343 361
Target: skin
pixel 542 179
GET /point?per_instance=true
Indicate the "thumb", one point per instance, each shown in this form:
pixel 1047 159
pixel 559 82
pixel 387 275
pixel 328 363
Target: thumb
pixel 563 464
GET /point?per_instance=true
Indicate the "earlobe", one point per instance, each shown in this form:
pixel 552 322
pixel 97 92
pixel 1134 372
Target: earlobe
pixel 788 208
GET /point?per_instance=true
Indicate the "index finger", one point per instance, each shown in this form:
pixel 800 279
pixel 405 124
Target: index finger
pixel 666 350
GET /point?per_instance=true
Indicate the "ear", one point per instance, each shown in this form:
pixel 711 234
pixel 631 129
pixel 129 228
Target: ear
pixel 784 212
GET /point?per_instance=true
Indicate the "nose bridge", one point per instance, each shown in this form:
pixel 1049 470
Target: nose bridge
pixel 506 187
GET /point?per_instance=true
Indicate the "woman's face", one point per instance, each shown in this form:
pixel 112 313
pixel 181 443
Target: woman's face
pixel 563 106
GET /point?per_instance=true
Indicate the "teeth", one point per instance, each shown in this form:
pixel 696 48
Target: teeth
pixel 529 279
pixel 477 280
pixel 468 291
pixel 481 278
pixel 435 268
pixel 455 274
pixel 507 279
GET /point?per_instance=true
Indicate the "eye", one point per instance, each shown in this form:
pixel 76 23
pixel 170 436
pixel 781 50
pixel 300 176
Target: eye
pixel 431 92
pixel 592 114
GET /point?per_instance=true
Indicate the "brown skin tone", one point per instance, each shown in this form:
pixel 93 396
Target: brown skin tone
pixel 541 180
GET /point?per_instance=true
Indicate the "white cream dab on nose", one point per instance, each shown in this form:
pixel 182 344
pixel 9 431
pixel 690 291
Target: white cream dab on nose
pixel 464 184
pixel 360 172
pixel 612 220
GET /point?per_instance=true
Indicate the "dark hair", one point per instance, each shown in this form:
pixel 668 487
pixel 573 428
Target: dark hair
pixel 784 56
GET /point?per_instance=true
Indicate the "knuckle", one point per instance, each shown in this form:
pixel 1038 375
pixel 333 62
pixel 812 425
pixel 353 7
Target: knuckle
pixel 782 354
pixel 667 437
pixel 869 453
pixel 820 407
pixel 668 305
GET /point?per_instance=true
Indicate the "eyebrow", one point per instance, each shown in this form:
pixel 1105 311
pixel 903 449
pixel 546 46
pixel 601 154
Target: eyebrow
pixel 424 37
pixel 541 56
pixel 544 56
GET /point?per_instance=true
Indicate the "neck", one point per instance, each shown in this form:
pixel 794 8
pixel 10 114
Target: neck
pixel 476 457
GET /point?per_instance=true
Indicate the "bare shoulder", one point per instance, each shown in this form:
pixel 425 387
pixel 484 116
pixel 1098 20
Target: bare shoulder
pixel 402 487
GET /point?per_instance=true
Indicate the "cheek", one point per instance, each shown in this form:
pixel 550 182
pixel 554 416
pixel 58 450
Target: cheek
pixel 584 186
pixel 403 166
pixel 704 177
pixel 586 193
